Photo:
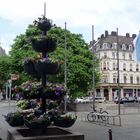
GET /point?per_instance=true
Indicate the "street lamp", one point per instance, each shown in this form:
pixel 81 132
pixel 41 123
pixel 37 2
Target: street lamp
pixel 93 74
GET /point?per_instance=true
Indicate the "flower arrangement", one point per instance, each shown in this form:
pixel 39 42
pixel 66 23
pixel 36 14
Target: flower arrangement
pixel 27 90
pixel 64 120
pixel 34 122
pixel 57 88
pixel 15 119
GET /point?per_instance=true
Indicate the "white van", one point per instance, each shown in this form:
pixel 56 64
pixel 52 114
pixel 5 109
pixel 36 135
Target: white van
pixel 100 99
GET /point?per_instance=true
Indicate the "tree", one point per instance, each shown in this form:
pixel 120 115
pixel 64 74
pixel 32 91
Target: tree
pixel 79 58
pixel 5 69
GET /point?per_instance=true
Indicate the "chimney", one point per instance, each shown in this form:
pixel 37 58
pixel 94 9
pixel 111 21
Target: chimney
pixel 133 36
pixel 102 36
pixel 113 33
pixel 106 33
pixel 127 35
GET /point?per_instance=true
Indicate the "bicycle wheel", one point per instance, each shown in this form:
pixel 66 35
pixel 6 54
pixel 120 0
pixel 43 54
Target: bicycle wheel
pixel 104 116
pixel 91 117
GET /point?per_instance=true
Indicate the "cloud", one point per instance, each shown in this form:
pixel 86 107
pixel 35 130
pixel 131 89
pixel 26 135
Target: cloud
pixel 80 15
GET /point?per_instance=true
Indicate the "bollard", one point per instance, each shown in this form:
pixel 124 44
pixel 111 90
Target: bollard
pixel 110 134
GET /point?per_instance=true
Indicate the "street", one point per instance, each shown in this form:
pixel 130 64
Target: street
pixel 130 129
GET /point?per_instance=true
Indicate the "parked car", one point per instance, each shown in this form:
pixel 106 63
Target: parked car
pixel 100 99
pixel 83 100
pixel 125 100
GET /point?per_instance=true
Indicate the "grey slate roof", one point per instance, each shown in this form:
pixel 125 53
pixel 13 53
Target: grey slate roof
pixel 113 39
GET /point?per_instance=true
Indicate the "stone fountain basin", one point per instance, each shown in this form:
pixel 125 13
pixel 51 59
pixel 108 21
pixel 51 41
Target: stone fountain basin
pixel 52 133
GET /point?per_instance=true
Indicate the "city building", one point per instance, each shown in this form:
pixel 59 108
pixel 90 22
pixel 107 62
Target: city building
pixel 105 49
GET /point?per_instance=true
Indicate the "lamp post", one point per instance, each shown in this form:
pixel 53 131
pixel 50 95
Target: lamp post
pixel 118 77
pixel 93 74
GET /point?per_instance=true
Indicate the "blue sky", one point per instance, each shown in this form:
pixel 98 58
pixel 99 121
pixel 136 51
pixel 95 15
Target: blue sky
pixel 80 15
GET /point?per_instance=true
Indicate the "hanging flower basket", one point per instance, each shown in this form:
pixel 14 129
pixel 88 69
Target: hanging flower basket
pixel 44 24
pixel 37 123
pixel 64 121
pixel 29 67
pixel 54 95
pixel 14 119
pixel 54 91
pixel 47 67
pixel 43 44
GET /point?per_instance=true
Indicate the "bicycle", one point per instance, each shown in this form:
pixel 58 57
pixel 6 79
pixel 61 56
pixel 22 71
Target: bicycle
pixel 97 114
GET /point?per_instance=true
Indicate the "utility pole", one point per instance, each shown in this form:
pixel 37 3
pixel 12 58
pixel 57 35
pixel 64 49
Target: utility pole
pixel 65 68
pixel 93 74
pixel 118 77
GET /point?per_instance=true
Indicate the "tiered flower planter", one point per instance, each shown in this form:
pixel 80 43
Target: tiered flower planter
pixel 39 121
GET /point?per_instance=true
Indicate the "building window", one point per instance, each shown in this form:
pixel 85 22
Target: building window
pixel 123 55
pixel 113 54
pixel 113 66
pixel 105 46
pixel 105 79
pixel 130 56
pixel 124 67
pixel 138 80
pixel 137 67
pixel 114 45
pixel 130 67
pixel 123 47
pixel 104 66
pixel 130 47
pixel 108 65
pixel 125 79
pixel 105 55
pixel 131 79
pixel 114 79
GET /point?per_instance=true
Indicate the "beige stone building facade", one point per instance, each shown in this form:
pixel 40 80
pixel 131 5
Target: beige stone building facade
pixel 129 70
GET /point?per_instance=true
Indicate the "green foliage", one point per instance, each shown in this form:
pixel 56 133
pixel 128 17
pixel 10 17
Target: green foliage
pixel 5 69
pixel 79 58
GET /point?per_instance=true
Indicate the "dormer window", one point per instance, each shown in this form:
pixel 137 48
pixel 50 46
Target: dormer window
pixel 114 45
pixel 123 47
pixel 130 47
pixel 127 47
pixel 105 45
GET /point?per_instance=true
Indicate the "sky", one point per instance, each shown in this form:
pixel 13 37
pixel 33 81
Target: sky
pixel 80 15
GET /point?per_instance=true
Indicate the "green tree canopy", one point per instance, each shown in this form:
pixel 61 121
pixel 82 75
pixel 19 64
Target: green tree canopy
pixel 79 58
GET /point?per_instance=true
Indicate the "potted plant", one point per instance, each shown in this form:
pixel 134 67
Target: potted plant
pixel 64 120
pixel 34 122
pixel 55 91
pixel 14 119
pixel 29 67
pixel 43 24
pixel 47 66
pixel 43 44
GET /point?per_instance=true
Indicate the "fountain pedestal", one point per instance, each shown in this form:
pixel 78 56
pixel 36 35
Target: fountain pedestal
pixel 52 133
